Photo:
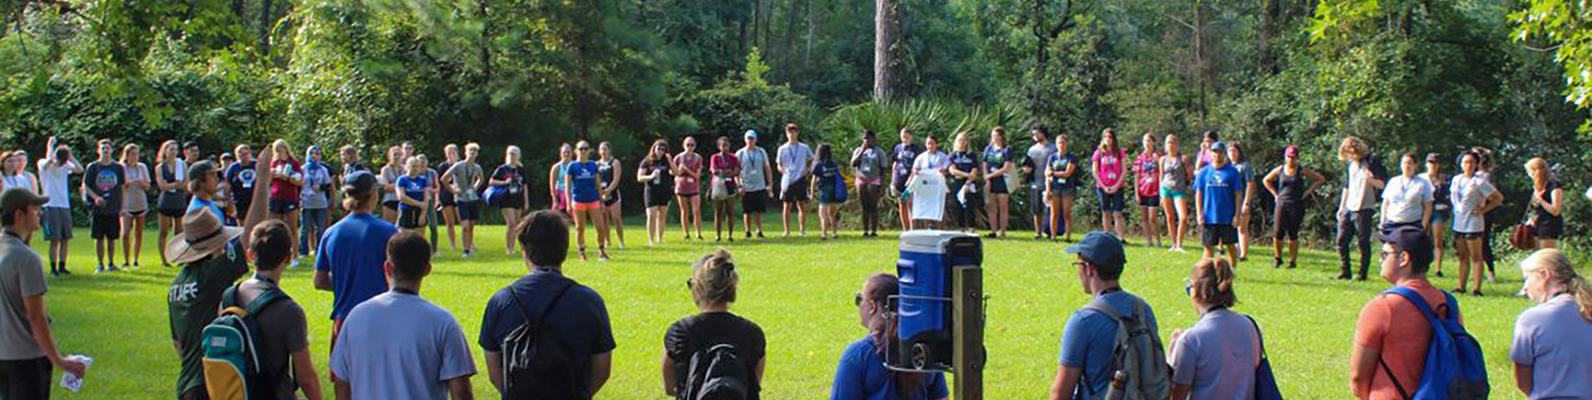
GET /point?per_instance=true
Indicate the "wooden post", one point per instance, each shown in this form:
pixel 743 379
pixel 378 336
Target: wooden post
pixel 968 356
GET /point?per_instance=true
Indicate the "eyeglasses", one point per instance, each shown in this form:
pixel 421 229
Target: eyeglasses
pixel 857 301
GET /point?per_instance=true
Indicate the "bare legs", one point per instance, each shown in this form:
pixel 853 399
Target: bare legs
pixel 1241 221
pixel 724 214
pixel 132 238
pixel 511 216
pixel 656 218
pixel 450 215
pixel 1152 231
pixel 1176 218
pixel 690 214
pixel 611 216
pixel 1470 256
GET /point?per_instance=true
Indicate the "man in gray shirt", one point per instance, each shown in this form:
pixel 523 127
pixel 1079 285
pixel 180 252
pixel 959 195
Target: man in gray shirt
pixel 756 177
pixel 27 348
pixel 1034 169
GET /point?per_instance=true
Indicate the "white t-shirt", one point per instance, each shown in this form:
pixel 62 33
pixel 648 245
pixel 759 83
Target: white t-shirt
pixel 794 160
pixel 931 161
pixel 1467 194
pixel 1357 194
pixel 53 179
pixel 1403 198
pixel 927 188
pixel 752 163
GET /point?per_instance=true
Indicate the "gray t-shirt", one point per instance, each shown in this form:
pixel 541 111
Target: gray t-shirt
pixel 1217 356
pixel 1038 155
pixel 464 175
pixel 753 162
pixel 1551 338
pixel 1358 195
pixel 402 347
pixel 21 274
pixel 1404 199
pixel 870 163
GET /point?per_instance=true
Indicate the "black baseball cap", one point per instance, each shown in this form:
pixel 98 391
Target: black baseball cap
pixel 1412 240
pixel 1101 249
pixel 358 182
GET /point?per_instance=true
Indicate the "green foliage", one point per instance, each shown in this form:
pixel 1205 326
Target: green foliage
pixel 1567 25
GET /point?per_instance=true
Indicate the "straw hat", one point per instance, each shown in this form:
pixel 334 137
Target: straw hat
pixel 203 235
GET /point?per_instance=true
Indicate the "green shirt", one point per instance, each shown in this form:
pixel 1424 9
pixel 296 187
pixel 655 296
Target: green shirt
pixel 193 301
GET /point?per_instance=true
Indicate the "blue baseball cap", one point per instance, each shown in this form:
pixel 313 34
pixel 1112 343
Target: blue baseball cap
pixel 1101 249
pixel 750 134
pixel 1218 146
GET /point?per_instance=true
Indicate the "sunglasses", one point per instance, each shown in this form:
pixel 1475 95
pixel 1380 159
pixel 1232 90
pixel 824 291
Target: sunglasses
pixel 583 148
pixel 1188 287
pixel 857 301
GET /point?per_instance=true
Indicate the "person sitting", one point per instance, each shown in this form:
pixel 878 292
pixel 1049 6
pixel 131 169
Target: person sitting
pixel 1550 358
pixel 1217 357
pixel 862 374
pixel 690 340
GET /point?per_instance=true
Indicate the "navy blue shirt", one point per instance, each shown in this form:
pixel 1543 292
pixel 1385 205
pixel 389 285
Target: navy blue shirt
pixel 579 321
pixel 354 251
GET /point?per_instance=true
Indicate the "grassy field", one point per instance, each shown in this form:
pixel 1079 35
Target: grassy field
pixel 799 290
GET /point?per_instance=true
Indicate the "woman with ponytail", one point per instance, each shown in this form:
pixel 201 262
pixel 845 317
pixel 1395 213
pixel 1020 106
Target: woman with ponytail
pixel 861 374
pixel 1549 351
pixel 713 285
pixel 1215 358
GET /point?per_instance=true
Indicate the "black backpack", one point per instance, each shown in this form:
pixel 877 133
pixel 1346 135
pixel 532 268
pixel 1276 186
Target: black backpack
pixel 535 363
pixel 716 373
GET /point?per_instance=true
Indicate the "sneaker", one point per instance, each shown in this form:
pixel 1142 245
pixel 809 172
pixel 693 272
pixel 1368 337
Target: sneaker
pixel 1276 262
pixel 1292 265
pixel 98 269
pixel 760 235
pixel 1344 276
pixel 1439 274
pixel 466 254
pixel 1476 293
pixel 748 234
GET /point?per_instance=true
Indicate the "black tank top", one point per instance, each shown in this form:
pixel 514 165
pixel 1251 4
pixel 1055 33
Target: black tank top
pixel 1547 197
pixel 168 173
pixel 1290 188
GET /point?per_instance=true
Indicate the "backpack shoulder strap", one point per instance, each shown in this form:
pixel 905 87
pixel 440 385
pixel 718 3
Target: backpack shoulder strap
pixel 1102 307
pixel 1414 298
pixel 518 305
pixel 1258 337
pixel 269 295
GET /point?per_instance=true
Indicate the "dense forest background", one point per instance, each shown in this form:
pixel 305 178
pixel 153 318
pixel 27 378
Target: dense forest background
pixel 1408 75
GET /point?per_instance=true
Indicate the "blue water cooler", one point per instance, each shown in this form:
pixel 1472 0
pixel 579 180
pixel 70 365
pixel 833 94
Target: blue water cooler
pixel 925 267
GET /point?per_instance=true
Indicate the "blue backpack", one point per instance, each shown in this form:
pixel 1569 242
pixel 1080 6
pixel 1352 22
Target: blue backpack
pixel 1454 366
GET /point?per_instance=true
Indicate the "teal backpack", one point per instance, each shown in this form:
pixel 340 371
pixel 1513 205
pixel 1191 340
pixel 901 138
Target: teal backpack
pixel 231 359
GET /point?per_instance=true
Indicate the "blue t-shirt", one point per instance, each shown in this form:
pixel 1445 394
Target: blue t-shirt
pixel 585 179
pixel 1218 188
pixel 580 321
pixel 1087 340
pixel 197 202
pixel 400 346
pixel 413 187
pixel 354 251
pixel 1217 356
pixel 861 375
pixel 828 174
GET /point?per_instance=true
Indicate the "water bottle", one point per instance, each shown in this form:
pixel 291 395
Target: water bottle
pixel 71 381
pixel 1119 386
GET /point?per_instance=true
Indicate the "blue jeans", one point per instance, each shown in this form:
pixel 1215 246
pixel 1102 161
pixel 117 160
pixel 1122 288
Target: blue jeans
pixel 312 222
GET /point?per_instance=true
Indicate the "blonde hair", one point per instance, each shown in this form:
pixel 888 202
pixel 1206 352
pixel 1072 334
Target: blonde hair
pixel 713 278
pixel 1352 145
pixel 1560 271
pixel 1540 166
pixel 127 151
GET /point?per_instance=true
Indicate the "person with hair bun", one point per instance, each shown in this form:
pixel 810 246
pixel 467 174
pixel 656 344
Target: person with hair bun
pixel 1547 204
pixel 861 374
pixel 1215 358
pixel 1550 359
pixel 713 286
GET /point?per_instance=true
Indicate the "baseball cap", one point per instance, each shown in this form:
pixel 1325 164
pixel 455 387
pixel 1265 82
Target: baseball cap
pixel 1218 146
pixel 1290 151
pixel 16 198
pixel 751 134
pixel 1434 158
pixel 358 182
pixel 1411 240
pixel 202 168
pixel 1101 249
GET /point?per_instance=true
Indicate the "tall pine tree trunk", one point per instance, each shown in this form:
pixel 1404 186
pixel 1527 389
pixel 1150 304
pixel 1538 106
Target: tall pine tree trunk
pixel 886 38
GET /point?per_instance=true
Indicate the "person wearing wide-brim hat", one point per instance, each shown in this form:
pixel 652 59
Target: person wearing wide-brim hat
pixel 212 258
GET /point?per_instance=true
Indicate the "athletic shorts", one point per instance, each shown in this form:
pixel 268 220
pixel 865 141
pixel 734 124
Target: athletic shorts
pixel 1150 201
pixel 1287 218
pixel 754 202
pixel 1172 194
pixel 283 206
pixel 445 198
pixel 1550 229
pixel 656 197
pixel 390 204
pixel 138 213
pixel 1219 234
pixel 1064 190
pixel 1109 202
pixel 469 210
pixel 588 205
pixel 998 186
pixel 1469 235
pixel 57 223
pixel 105 226
pixel 410 218
pixel 797 192
pixel 611 199
pixel 513 201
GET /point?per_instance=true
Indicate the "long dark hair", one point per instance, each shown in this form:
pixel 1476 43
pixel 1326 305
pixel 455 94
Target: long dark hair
pixel 882 328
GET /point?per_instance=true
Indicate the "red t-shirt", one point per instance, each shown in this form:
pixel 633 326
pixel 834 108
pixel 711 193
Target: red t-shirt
pixel 282 189
pixel 1394 326
pixel 726 166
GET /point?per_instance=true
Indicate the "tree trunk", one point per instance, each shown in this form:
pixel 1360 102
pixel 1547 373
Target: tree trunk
pixel 886 37
pixel 1270 20
pixel 265 27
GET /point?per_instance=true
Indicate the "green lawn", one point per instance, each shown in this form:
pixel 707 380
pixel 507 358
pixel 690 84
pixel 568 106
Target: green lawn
pixel 800 291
